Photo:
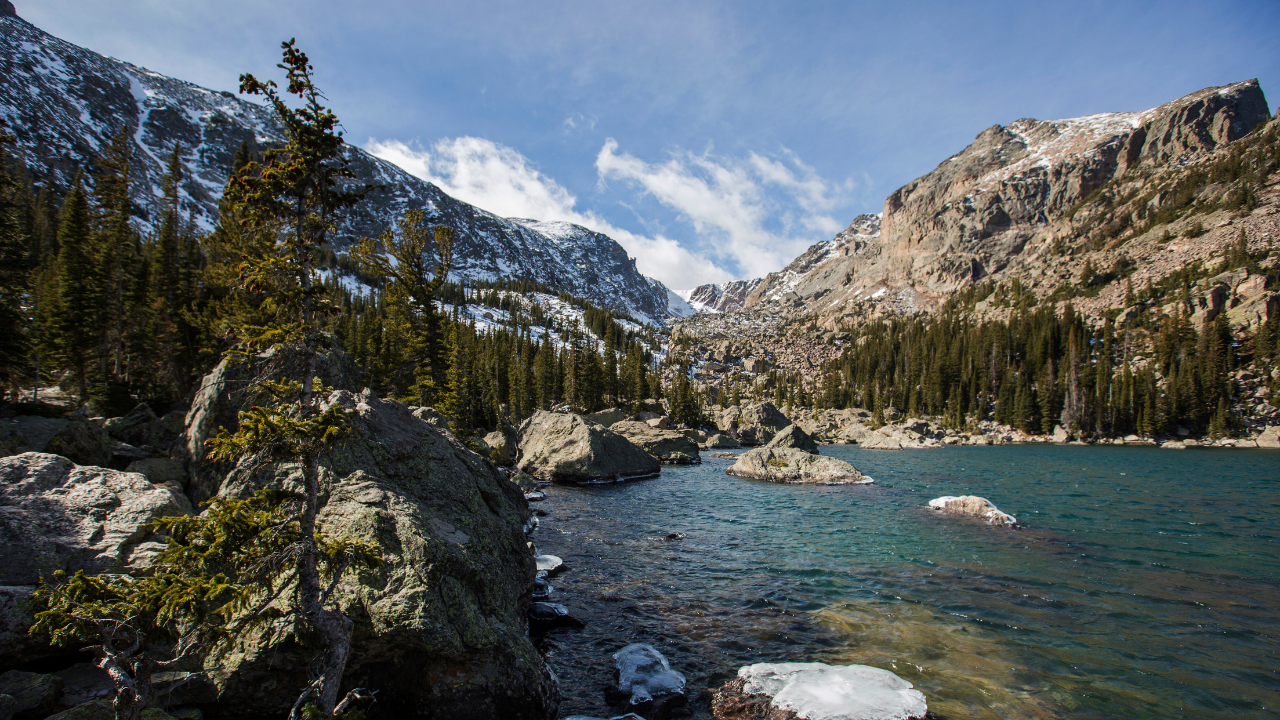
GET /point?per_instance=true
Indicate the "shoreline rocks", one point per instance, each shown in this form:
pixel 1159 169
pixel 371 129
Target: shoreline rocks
pixel 567 449
pixel 795 467
pixel 974 507
pixel 816 691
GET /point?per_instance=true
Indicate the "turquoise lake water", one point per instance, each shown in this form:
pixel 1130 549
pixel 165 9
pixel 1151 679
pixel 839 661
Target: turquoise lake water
pixel 1146 583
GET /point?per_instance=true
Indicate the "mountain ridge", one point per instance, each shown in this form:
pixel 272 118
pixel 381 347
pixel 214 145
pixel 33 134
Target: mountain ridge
pixel 65 104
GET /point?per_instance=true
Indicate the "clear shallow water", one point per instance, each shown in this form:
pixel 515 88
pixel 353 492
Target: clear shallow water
pixel 1145 585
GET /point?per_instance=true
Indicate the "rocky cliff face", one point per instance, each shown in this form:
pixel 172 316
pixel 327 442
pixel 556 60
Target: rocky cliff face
pixel 990 210
pixel 65 104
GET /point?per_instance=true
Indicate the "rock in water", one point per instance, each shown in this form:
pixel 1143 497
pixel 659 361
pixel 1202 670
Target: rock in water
pixel 972 506
pixel 564 448
pixel 720 442
pixel 646 680
pixel 440 628
pixel 793 437
pixel 669 446
pixel 796 467
pixel 754 424
pixel 815 691
pixel 62 516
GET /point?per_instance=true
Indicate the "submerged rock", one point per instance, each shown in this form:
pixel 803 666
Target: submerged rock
pixel 62 516
pixel 793 437
pixel 972 506
pixel 544 616
pixel 564 448
pixel 646 681
pixel 816 691
pixel 669 446
pixel 792 466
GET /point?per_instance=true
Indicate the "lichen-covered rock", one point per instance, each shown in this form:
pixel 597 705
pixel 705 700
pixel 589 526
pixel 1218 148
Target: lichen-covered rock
pixel 816 691
pixel 974 507
pixel 61 516
pixel 793 437
pixel 440 629
pixel 82 442
pixel 565 448
pixel 35 695
pixel 796 467
pixel 669 446
pixel 228 389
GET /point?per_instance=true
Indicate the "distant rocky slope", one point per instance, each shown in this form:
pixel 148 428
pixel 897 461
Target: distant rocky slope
pixel 65 104
pixel 1135 196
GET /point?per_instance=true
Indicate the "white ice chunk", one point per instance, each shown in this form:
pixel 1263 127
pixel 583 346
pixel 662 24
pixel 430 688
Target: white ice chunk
pixel 816 691
pixel 644 673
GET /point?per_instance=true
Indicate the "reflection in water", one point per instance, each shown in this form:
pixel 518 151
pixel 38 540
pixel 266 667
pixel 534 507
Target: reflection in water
pixel 1151 593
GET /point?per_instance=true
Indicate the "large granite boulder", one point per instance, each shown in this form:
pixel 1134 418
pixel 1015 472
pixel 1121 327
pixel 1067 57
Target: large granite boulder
pixel 56 515
pixel 753 424
pixel 795 467
pixel 669 446
pixel 501 448
pixel 440 629
pixel 972 506
pixel 719 442
pixel 83 442
pixel 793 437
pixel 141 428
pixel 565 448
pixel 235 386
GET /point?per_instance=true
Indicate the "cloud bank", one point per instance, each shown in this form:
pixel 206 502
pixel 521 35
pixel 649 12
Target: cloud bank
pixel 751 216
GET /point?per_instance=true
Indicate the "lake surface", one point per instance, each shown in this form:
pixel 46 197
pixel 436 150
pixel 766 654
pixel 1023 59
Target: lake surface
pixel 1146 583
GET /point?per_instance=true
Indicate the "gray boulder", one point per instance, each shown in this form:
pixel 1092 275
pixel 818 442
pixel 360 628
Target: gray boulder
pixel 501 448
pixel 718 442
pixel 669 446
pixel 28 433
pixel 160 471
pixel 17 647
pixel 84 443
pixel 753 424
pixel 234 386
pixel 605 418
pixel 793 437
pixel 143 429
pixel 61 516
pixel 440 629
pixel 795 467
pixel 565 448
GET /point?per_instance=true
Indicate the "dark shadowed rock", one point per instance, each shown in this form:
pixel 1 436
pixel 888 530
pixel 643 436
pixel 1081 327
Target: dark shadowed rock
pixel 28 433
pixel 793 437
pixel 564 448
pixel 84 443
pixel 669 446
pixel 35 695
pixel 792 466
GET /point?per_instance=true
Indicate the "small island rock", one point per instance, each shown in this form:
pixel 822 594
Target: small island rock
pixel 567 449
pixel 972 506
pixel 792 466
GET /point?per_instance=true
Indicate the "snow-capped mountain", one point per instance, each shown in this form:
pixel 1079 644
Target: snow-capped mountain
pixel 65 104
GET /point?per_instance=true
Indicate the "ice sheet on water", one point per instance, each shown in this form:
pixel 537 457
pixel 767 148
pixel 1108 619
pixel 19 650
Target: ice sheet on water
pixel 816 691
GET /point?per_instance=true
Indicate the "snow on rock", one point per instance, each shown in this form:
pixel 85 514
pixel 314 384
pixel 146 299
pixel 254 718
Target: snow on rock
pixel 816 691
pixel 972 506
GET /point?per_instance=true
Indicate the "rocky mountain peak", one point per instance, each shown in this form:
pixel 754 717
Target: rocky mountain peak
pixel 7 9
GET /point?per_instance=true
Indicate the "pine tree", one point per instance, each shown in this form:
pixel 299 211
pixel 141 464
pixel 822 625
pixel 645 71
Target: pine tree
pixel 78 311
pixel 287 204
pixel 14 269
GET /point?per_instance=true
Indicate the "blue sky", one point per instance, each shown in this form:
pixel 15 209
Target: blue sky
pixel 714 140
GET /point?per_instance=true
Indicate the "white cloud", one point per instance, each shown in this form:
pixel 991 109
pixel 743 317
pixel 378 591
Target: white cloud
pixel 502 181
pixel 736 205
